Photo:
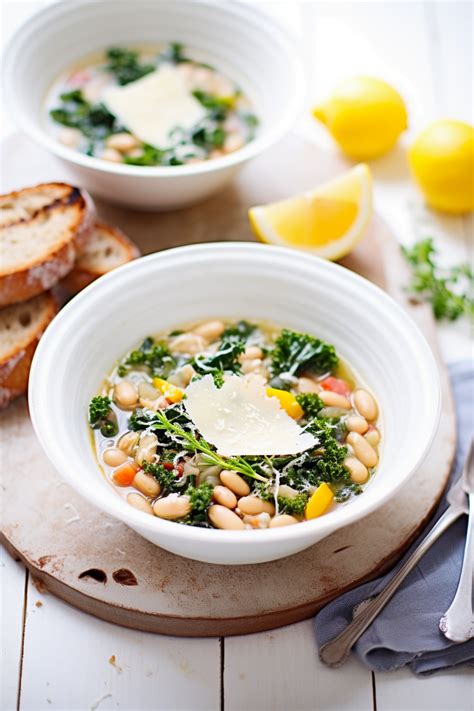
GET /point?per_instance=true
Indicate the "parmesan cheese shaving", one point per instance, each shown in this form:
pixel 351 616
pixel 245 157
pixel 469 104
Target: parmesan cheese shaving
pixel 240 419
pixel 154 105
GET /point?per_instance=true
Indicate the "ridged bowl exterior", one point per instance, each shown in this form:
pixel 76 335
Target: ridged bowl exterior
pixel 233 280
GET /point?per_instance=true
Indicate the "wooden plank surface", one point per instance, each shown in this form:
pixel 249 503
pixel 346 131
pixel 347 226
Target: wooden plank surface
pixel 402 45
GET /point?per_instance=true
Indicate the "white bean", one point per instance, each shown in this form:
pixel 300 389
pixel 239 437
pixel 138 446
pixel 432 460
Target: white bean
pixel 224 496
pixel 362 449
pixel 139 502
pixel 282 520
pixel 261 520
pixel 252 505
pixel 189 343
pixel 234 482
pixel 287 491
pixel 222 517
pixel 210 331
pixel 122 142
pixel 354 423
pixel 147 484
pixel 125 394
pixel 113 457
pixel 358 471
pixel 111 155
pixel 70 137
pixel 172 507
pixel 306 385
pixel 147 446
pixel 128 442
pixel 366 405
pixel 334 400
pixel 373 437
pixel 251 353
pixel 233 142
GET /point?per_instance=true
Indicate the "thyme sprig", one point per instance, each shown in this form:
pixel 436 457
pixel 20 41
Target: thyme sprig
pixel 238 464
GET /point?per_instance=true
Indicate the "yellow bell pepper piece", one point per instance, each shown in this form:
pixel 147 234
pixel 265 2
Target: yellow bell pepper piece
pixel 320 501
pixel 288 402
pixel 170 391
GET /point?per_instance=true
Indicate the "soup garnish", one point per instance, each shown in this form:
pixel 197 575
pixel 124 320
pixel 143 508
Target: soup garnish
pixel 235 426
pixel 149 107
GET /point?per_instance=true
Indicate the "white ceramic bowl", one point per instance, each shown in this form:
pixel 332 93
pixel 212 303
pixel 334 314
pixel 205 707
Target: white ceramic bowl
pixel 235 37
pixel 234 280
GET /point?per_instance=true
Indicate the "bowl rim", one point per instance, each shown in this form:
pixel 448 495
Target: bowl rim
pixel 274 132
pixel 115 505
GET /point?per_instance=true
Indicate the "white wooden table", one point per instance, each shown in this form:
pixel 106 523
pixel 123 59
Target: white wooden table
pixel 54 657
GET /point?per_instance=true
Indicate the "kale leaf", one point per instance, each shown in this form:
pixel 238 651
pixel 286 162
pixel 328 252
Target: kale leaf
pixel 200 498
pixel 102 417
pixel 165 477
pixel 295 352
pixel 241 330
pixel 156 356
pixel 310 403
pixel 294 506
pixel 126 66
pixel 93 120
pixel 225 359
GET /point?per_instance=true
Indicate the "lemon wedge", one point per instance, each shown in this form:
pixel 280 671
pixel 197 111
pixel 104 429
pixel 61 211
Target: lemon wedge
pixel 328 221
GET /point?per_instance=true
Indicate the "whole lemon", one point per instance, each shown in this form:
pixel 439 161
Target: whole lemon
pixel 442 161
pixel 365 116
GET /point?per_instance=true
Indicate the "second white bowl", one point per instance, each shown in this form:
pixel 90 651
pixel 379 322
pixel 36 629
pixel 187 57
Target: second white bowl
pixel 237 38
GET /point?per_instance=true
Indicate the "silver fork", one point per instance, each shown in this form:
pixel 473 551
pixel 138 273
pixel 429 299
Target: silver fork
pixel 457 623
pixel 336 651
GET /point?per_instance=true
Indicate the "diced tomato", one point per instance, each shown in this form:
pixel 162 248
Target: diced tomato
pixel 79 78
pixel 336 385
pixel 180 470
pixel 125 473
pixel 168 465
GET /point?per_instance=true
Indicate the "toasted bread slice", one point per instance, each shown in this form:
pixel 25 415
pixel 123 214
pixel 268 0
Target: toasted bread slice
pixel 24 204
pixel 106 249
pixel 21 326
pixel 36 252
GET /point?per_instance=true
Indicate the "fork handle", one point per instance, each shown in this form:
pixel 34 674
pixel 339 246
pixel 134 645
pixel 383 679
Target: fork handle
pixel 335 652
pixel 457 622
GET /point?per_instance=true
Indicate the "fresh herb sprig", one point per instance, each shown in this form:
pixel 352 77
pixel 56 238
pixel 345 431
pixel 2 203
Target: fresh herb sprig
pixel 210 456
pixel 448 290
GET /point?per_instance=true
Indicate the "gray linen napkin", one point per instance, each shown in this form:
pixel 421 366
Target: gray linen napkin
pixel 406 632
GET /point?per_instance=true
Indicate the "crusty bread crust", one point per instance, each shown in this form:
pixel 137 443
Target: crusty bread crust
pixel 15 368
pixel 33 278
pixel 81 276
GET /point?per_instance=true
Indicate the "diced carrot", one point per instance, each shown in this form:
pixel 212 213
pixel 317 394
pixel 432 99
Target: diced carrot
pixel 168 465
pixel 336 385
pixel 125 473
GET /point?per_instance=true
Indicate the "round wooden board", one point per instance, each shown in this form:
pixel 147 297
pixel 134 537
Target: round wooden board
pixel 99 565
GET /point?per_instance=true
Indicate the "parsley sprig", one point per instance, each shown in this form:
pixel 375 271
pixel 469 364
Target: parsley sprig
pixel 448 290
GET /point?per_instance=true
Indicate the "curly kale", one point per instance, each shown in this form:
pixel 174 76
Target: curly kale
pixel 156 356
pixel 329 457
pixel 241 330
pixel 93 120
pixel 200 498
pixel 294 506
pixel 165 477
pixel 226 359
pixel 126 66
pixel 102 417
pixel 310 403
pixel 295 352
